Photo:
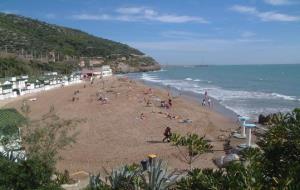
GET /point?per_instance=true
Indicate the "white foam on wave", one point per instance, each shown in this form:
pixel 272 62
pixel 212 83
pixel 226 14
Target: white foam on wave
pixel 216 92
pixel 151 78
pixel 197 80
pixel 161 70
pixel 254 112
pixel 285 97
pixel 223 94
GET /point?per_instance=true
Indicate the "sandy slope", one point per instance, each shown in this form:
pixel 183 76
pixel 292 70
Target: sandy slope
pixel 114 134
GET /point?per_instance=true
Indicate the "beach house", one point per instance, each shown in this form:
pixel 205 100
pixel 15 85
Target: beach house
pixel 6 89
pixel 95 72
pixel 21 84
pixel 106 71
pixel 12 86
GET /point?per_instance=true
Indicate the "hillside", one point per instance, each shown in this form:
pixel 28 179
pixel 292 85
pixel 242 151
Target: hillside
pixel 31 39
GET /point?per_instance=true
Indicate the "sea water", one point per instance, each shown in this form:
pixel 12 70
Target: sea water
pixel 247 90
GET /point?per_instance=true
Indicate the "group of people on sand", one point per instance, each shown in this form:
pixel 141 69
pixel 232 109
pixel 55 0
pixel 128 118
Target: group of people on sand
pixel 206 100
pixel 75 97
pixel 167 103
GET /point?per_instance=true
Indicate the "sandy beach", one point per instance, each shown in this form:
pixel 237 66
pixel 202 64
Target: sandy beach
pixel 114 133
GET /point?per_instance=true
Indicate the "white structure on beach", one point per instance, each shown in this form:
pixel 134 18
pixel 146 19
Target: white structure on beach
pixel 97 72
pixel 106 71
pixel 15 86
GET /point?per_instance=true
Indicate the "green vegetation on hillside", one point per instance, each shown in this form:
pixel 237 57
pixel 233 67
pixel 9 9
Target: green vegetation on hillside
pixel 38 37
pixel 15 67
pixel 42 43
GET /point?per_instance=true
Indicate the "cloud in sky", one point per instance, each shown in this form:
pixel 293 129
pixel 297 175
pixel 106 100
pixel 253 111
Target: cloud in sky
pixel 182 35
pixel 265 16
pixel 278 2
pixel 219 51
pixel 134 14
pixel 247 34
pixel 196 45
pixel 130 10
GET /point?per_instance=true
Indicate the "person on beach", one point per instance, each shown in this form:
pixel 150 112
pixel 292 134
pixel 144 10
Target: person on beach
pixel 203 102
pixel 209 102
pixel 170 102
pixel 167 134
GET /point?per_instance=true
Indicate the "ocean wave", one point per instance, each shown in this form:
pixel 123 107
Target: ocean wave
pixel 158 71
pixel 254 112
pixel 215 91
pixel 285 97
pixel 151 78
pixel 197 80
pixel 239 101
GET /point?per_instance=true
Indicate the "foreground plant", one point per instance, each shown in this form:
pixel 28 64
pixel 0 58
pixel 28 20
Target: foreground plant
pixel 281 147
pixel 275 165
pixel 125 177
pixel 156 177
pixel 190 147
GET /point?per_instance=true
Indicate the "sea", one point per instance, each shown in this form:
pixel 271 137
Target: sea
pixel 247 90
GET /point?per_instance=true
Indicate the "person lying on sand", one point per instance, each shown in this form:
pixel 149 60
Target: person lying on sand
pixel 149 91
pixel 103 100
pixel 163 104
pixel 148 103
pixel 142 116
pixel 167 134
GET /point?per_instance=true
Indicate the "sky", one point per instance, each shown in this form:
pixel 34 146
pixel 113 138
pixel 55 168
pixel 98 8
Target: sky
pixel 182 31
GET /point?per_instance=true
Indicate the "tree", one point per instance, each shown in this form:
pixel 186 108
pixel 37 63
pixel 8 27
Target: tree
pixel 274 165
pixel 46 136
pixel 42 139
pixel 237 175
pixel 281 147
pixel 190 147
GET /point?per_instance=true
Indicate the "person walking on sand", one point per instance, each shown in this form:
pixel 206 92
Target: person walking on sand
pixel 209 103
pixel 167 134
pixel 203 102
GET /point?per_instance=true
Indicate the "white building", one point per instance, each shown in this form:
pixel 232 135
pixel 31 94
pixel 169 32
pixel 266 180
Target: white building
pixel 51 74
pixel 21 83
pixel 106 71
pixel 6 87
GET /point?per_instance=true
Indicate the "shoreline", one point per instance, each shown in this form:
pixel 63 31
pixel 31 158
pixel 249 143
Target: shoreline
pixel 217 107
